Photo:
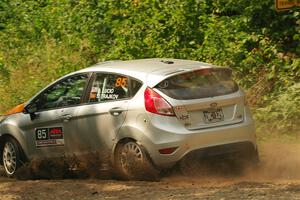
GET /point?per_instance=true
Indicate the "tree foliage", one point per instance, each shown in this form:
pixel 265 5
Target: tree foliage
pixel 44 39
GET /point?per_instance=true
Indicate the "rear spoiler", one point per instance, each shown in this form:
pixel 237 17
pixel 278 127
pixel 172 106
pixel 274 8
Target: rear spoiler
pixel 155 78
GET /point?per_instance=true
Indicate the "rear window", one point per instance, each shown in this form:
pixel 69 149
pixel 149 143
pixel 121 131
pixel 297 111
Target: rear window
pixel 199 84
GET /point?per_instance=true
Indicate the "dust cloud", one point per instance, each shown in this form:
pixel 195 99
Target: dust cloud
pixel 278 162
pixel 92 165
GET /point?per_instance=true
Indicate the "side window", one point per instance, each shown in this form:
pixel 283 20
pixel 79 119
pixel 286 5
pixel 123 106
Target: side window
pixel 108 87
pixel 64 93
pixel 135 86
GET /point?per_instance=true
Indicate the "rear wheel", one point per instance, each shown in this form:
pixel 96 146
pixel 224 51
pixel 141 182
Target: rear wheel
pixel 254 158
pixel 246 161
pixel 132 163
pixel 11 156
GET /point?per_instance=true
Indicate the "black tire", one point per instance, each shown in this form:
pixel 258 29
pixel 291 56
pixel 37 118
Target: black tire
pixel 11 156
pixel 254 158
pixel 133 163
pixel 247 161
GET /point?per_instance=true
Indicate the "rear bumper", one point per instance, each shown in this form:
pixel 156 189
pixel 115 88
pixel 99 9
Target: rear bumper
pixel 219 140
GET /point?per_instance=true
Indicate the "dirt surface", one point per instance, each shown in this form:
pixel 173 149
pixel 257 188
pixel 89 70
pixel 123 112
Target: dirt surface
pixel 277 177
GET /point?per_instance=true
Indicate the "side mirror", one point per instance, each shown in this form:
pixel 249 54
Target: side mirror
pixel 31 109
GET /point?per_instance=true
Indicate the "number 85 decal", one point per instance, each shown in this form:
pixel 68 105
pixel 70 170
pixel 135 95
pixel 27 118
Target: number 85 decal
pixel 121 82
pixel 41 134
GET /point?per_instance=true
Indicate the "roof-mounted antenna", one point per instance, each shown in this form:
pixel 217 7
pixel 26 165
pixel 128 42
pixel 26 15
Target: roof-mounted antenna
pixel 109 61
pixel 167 62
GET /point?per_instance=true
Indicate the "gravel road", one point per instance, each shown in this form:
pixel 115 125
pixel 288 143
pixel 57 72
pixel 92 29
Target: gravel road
pixel 277 177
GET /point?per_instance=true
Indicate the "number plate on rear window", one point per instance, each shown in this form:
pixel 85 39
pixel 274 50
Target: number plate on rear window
pixel 213 116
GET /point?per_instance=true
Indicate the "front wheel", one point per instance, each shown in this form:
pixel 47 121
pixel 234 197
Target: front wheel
pixel 11 156
pixel 132 163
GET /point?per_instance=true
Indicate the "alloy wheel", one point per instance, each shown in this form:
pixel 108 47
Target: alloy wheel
pixel 131 157
pixel 9 158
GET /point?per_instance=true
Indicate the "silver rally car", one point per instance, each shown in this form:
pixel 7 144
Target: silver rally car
pixel 145 114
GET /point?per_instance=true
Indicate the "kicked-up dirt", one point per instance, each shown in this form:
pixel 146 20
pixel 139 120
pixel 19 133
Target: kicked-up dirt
pixel 276 177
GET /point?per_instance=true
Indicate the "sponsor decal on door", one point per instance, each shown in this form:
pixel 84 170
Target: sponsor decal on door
pixel 45 137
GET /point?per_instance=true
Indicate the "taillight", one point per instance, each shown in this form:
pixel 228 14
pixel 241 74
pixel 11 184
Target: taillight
pixel 155 103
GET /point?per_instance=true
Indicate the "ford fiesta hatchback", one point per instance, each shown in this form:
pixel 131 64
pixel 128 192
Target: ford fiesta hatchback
pixel 144 114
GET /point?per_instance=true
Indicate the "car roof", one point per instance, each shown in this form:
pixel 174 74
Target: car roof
pixel 151 71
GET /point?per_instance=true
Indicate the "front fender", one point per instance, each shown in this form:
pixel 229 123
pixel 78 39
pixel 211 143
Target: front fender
pixel 11 130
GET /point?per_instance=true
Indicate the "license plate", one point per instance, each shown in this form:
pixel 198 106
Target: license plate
pixel 213 116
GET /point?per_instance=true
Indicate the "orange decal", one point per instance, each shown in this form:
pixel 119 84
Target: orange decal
pixel 17 109
pixel 121 82
pixel 93 96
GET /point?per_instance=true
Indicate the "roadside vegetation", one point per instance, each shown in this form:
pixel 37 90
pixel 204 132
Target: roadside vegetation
pixel 41 40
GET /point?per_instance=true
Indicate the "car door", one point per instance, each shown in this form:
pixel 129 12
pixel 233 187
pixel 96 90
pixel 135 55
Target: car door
pixel 56 105
pixel 104 113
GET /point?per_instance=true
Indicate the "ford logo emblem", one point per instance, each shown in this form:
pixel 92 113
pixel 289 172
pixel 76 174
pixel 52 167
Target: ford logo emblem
pixel 214 105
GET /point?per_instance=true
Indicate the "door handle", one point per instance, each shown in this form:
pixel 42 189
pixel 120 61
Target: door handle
pixel 116 111
pixel 66 117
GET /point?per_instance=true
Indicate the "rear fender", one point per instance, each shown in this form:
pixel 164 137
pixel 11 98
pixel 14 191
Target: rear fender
pixel 127 132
